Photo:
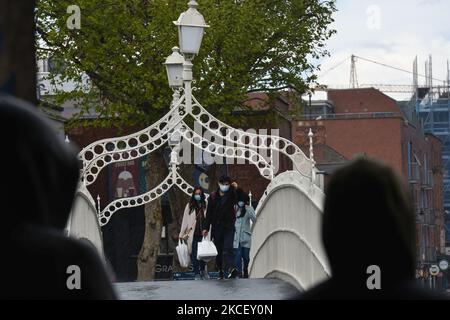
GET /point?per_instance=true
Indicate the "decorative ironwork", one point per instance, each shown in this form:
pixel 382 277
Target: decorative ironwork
pixel 99 154
pixel 238 144
pixel 252 140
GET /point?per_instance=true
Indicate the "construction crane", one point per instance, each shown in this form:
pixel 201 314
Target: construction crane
pixel 393 88
pixel 353 75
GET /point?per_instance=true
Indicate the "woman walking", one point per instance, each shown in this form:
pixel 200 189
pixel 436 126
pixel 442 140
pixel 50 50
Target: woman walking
pixel 191 230
pixel 243 234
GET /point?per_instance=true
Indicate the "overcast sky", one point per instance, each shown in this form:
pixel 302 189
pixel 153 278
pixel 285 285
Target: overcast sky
pixel 392 32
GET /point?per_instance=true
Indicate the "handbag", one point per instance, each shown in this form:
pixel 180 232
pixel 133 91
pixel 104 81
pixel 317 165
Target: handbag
pixel 206 250
pixel 183 254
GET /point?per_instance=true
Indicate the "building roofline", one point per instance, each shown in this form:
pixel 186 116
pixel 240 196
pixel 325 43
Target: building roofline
pixel 354 116
pixel 365 89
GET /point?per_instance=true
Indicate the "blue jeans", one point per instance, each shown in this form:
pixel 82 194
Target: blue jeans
pixel 198 265
pixel 242 253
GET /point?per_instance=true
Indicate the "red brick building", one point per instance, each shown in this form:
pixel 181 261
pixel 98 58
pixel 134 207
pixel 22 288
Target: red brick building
pixel 366 122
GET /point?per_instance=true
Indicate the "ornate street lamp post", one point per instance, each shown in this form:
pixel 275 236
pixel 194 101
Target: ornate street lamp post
pixel 174 66
pixel 191 27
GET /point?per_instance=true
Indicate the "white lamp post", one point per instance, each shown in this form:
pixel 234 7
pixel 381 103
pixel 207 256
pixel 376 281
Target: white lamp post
pixel 174 67
pixel 191 26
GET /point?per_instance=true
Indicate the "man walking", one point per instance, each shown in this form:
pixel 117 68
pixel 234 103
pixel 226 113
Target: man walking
pixel 221 217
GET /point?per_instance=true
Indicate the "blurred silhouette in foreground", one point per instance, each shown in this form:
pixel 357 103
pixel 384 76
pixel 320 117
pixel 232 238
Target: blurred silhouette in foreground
pixel 368 223
pixel 39 177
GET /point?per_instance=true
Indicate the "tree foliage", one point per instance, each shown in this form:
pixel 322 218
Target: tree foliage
pixel 251 45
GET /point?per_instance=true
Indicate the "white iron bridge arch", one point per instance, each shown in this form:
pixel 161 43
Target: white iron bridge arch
pixel 286 236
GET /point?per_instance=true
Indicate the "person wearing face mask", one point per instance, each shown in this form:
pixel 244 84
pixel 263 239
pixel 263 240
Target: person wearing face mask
pixel 221 219
pixel 191 230
pixel 243 234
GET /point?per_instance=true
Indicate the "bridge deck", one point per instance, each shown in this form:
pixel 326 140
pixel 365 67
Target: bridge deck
pixel 237 289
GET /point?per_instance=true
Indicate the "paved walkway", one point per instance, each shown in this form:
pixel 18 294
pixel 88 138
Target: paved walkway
pixel 237 289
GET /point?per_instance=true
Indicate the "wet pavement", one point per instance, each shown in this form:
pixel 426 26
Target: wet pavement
pixel 237 289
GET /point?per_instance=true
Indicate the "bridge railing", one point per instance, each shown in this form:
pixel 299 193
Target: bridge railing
pixel 286 241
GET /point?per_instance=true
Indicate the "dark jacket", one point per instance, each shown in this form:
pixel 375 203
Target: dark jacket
pixel 40 175
pixel 221 210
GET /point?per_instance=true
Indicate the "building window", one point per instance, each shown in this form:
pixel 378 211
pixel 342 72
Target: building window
pixel 413 167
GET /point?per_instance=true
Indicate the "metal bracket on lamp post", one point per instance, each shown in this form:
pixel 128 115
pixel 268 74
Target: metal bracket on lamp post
pixel 175 97
pixel 174 161
pixel 187 78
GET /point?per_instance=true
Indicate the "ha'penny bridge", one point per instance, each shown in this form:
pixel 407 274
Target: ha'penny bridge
pixel 286 255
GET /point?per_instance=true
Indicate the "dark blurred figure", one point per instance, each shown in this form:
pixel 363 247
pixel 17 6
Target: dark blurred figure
pixel 369 221
pixel 39 178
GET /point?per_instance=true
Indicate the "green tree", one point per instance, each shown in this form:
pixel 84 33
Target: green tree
pixel 252 45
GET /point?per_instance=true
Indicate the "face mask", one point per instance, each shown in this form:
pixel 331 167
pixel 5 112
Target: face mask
pixel 224 188
pixel 197 197
pixel 241 203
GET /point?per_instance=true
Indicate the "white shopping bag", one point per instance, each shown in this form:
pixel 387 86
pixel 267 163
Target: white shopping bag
pixel 206 250
pixel 183 254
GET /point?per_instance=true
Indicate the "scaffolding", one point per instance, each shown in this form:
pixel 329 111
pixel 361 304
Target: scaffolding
pixel 433 109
